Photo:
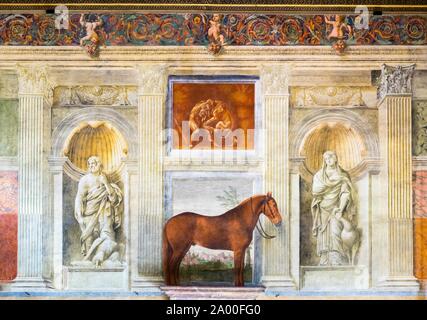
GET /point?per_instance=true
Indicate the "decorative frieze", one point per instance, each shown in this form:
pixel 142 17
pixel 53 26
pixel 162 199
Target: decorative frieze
pixel 95 96
pixel 332 96
pixel 189 29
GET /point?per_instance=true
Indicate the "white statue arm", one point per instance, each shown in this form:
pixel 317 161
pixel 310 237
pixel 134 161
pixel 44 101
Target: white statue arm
pixel 344 200
pixel 345 197
pixel 79 202
pixel 110 190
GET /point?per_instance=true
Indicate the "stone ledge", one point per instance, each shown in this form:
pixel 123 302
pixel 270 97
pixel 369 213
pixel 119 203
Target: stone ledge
pixel 213 293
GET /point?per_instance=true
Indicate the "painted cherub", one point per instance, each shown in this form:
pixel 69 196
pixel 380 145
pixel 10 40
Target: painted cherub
pixel 214 31
pixel 91 34
pixel 338 25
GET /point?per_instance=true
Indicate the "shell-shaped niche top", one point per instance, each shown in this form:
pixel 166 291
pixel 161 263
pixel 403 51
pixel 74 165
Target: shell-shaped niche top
pixel 339 137
pixel 96 138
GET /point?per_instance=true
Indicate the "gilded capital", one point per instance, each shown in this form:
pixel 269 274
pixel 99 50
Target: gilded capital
pixel 275 79
pixel 395 80
pixel 34 80
pixel 152 79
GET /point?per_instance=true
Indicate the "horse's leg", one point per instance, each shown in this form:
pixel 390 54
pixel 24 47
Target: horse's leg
pixel 178 263
pixel 176 258
pixel 168 277
pixel 242 268
pixel 172 268
pixel 238 258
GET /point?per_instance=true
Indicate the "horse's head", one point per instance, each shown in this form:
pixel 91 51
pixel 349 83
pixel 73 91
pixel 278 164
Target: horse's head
pixel 271 210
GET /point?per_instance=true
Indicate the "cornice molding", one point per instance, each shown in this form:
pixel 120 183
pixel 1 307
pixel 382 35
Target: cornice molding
pixel 252 55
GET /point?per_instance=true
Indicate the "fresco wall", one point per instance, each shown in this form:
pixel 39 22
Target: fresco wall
pixel 279 79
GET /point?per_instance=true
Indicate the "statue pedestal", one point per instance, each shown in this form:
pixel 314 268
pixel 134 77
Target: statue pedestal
pixel 213 293
pixel 334 278
pixel 90 278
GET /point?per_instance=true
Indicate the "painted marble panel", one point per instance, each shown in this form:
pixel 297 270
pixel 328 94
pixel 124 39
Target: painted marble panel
pixel 8 225
pixel 9 127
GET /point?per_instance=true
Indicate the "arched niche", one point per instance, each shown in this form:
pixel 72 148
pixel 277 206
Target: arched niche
pixel 98 138
pixel 115 134
pixel 351 136
pixel 99 130
pixel 355 141
pixel 339 137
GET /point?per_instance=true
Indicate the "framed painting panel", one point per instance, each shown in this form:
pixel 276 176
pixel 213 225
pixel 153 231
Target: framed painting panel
pixel 211 114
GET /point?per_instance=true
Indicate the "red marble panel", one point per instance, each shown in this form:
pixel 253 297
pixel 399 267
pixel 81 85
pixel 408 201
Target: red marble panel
pixel 8 225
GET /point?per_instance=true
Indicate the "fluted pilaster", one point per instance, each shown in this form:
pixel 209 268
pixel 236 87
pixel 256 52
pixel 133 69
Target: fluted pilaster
pixel 151 101
pixel 396 175
pixel 34 92
pixel 276 266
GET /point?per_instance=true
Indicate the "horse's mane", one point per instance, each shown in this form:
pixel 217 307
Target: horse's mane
pixel 243 202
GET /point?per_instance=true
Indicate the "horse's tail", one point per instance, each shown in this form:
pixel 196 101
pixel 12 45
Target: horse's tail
pixel 166 255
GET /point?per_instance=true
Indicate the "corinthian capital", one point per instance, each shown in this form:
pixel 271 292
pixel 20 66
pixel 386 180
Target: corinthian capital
pixel 395 80
pixel 275 79
pixel 34 79
pixel 152 79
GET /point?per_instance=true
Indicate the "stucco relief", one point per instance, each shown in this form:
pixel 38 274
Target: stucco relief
pixel 95 95
pixel 332 96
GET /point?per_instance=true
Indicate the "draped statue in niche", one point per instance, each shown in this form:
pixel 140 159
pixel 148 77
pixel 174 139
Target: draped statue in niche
pixel 333 210
pixel 99 213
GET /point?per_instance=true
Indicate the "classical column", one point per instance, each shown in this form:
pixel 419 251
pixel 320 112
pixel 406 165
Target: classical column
pixel 56 168
pixel 35 91
pixel 276 264
pixel 395 133
pixel 151 100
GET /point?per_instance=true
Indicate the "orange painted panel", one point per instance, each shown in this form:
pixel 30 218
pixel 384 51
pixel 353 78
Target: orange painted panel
pixel 237 100
pixel 420 250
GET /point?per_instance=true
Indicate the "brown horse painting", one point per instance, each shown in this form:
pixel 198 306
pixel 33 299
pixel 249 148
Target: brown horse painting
pixel 232 230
